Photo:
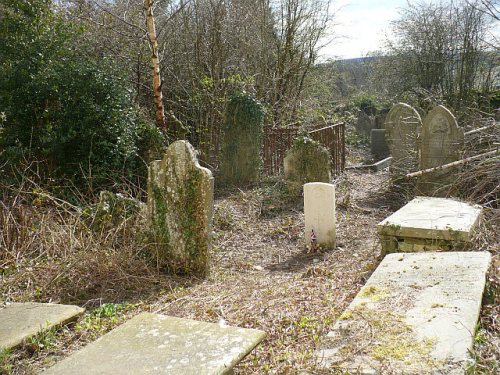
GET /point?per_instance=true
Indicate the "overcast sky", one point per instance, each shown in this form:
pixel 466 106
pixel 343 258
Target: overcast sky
pixel 360 26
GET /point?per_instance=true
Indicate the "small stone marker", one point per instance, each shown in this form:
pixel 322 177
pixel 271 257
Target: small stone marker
pixel 402 126
pixel 158 344
pixel 417 314
pixel 429 224
pixel 19 321
pixel 442 142
pixel 306 161
pixel 180 200
pixel 319 212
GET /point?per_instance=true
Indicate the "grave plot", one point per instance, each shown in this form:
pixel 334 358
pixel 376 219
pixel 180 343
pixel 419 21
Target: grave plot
pixel 428 224
pixel 158 344
pixel 417 314
pixel 19 321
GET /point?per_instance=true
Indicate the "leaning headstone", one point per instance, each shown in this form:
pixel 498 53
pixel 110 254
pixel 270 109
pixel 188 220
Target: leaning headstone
pixel 429 224
pixel 319 212
pixel 442 142
pixel 417 314
pixel 378 143
pixel 402 126
pixel 159 344
pixel 19 321
pixel 306 161
pixel 180 200
pixel 243 127
pixel 364 124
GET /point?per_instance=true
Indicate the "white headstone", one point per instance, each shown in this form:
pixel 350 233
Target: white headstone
pixel 319 212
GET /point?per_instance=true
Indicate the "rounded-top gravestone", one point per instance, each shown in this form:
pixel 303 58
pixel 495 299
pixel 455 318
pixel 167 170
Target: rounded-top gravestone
pixel 402 126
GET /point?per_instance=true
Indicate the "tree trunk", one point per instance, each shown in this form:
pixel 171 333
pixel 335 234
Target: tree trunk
pixel 155 65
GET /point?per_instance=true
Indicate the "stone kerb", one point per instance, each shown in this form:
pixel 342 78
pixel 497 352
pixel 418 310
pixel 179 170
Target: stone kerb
pixel 180 201
pixel 403 124
pixel 306 161
pixel 319 212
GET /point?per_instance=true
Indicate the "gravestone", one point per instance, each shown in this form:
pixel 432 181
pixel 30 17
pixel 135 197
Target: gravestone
pixel 243 126
pixel 378 143
pixel 180 200
pixel 429 224
pixel 19 321
pixel 402 127
pixel 159 344
pixel 442 142
pixel 417 314
pixel 319 212
pixel 306 161
pixel 364 124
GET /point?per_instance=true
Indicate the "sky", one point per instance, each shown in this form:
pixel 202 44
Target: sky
pixel 360 26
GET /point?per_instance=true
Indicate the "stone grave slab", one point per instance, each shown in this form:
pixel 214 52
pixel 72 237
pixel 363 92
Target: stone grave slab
pixel 159 344
pixel 19 321
pixel 429 224
pixel 416 315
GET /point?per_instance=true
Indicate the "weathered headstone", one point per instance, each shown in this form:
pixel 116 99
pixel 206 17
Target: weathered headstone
pixel 442 142
pixel 240 160
pixel 417 314
pixel 364 124
pixel 180 200
pixel 402 127
pixel 159 344
pixel 429 224
pixel 378 143
pixel 19 321
pixel 306 161
pixel 319 212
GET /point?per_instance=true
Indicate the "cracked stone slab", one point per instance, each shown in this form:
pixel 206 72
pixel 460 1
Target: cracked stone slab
pixel 416 314
pixel 432 218
pixel 158 344
pixel 19 321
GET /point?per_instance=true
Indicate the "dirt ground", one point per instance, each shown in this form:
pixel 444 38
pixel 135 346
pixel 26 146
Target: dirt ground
pixel 263 275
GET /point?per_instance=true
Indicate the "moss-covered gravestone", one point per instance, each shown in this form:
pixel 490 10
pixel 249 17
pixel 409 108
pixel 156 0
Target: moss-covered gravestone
pixel 240 161
pixel 180 200
pixel 307 161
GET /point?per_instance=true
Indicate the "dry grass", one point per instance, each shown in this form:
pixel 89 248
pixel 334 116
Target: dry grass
pixel 262 275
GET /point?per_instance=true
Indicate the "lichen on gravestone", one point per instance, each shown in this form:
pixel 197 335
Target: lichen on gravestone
pixel 242 138
pixel 442 142
pixel 180 202
pixel 402 125
pixel 306 161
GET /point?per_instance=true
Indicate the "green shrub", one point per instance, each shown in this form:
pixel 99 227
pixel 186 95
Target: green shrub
pixel 70 114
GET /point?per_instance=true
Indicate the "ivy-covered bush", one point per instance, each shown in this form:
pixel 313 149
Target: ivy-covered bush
pixel 70 114
pixel 240 162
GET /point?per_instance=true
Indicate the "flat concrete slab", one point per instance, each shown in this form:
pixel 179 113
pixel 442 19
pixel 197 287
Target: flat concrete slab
pixel 158 344
pixel 416 315
pixel 432 218
pixel 19 321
